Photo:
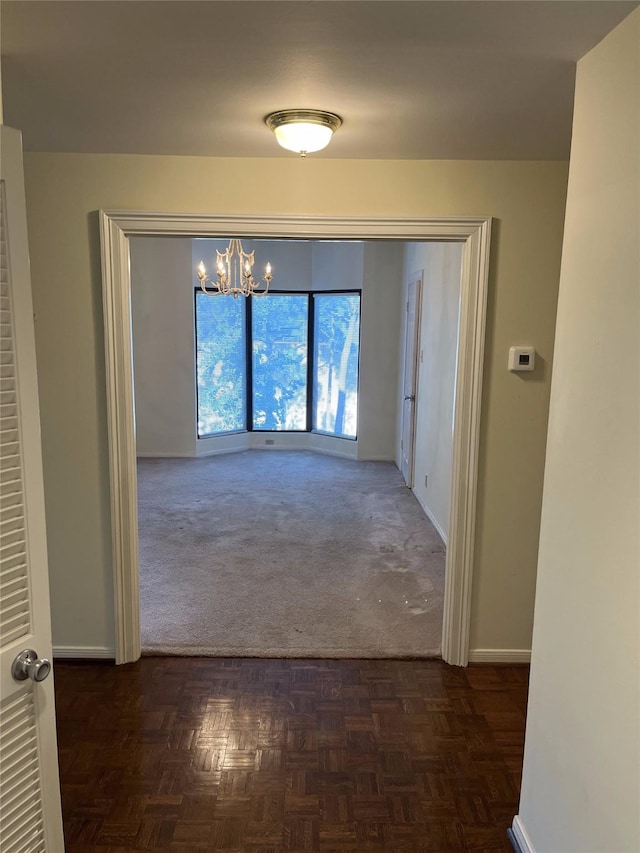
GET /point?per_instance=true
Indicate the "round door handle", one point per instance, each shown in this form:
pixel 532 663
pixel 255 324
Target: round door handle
pixel 29 665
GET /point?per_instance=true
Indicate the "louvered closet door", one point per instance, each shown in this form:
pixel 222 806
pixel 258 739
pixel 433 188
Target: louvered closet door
pixel 30 818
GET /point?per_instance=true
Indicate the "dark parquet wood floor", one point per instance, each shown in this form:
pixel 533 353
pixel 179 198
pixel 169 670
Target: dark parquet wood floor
pixel 190 755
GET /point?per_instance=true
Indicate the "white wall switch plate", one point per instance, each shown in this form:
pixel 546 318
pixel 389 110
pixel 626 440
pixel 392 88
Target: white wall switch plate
pixel 521 359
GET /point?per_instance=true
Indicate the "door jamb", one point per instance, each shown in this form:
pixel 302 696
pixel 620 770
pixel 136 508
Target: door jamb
pixel 418 278
pixel 115 229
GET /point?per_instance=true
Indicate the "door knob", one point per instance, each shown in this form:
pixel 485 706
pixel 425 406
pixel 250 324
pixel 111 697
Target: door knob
pixel 29 665
pixel 411 397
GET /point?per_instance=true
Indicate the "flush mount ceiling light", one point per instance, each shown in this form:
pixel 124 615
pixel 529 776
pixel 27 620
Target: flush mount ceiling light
pixel 303 131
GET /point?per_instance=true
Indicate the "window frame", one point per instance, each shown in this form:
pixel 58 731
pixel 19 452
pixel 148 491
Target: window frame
pixel 249 316
pixel 310 294
pixel 248 374
pixel 310 408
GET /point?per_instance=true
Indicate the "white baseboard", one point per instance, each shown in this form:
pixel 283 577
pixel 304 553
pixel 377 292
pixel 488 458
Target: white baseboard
pixel 339 453
pixel 316 442
pixel 431 518
pixel 521 837
pixel 499 655
pixel 220 451
pixel 325 451
pixel 374 458
pixel 82 652
pixel 351 453
pixel 143 455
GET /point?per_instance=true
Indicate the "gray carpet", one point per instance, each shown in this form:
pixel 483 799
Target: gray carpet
pixel 286 554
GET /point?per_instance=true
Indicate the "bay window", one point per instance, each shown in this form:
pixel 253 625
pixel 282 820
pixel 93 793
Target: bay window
pixel 280 362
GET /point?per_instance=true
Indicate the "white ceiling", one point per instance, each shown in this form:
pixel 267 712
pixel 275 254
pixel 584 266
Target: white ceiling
pixel 432 80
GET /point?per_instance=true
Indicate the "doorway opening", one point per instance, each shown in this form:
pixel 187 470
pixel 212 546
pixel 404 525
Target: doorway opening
pixel 291 554
pixel 118 227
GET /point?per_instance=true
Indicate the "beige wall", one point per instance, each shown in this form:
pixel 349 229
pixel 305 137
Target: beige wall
pixel 163 346
pixel 65 190
pixel 580 789
pixel 441 264
pixel 379 336
pixel 337 266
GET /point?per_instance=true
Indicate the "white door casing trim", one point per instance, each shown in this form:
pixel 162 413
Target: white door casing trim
pixel 417 279
pixel 115 229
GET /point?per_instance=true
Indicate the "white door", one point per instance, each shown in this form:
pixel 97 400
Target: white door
pixel 411 344
pixel 30 815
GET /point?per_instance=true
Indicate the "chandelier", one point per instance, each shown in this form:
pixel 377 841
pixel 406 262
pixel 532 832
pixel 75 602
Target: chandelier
pixel 234 274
